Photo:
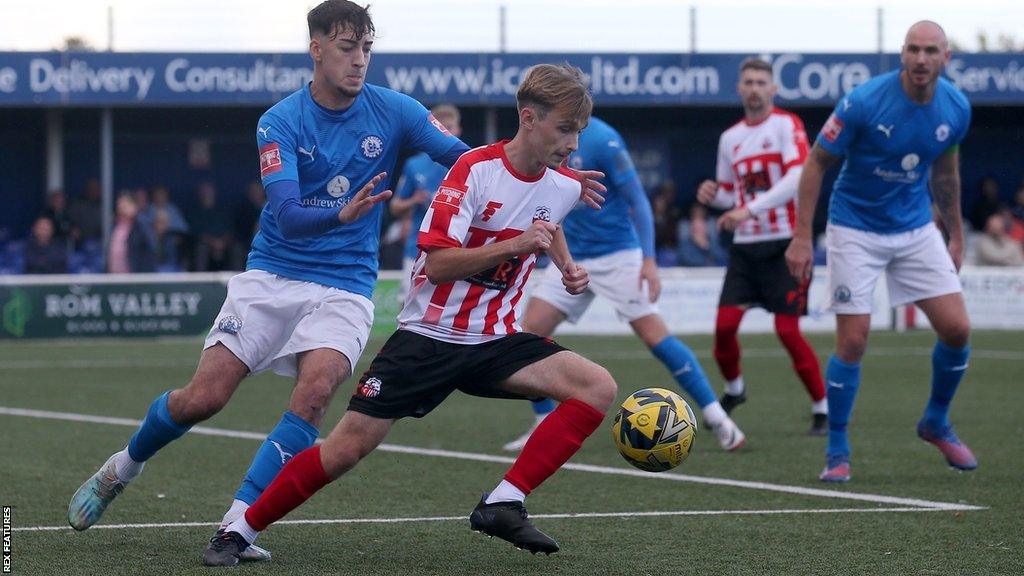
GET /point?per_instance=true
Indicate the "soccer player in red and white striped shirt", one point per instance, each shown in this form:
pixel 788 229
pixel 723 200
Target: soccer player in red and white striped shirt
pixel 759 163
pixel 497 208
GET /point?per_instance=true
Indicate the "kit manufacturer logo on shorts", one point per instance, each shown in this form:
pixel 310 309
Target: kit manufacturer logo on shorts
pixel 372 146
pixel 842 294
pixel 230 324
pixel 370 388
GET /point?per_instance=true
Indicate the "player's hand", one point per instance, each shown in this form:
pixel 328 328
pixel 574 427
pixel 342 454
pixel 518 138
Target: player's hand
pixel 537 237
pixel 707 191
pixel 574 278
pixel 733 218
pixel 649 274
pixel 362 202
pixel 592 193
pixel 800 258
pixel 956 251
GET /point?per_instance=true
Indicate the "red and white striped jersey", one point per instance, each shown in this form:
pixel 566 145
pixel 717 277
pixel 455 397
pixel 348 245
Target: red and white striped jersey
pixel 482 200
pixel 751 159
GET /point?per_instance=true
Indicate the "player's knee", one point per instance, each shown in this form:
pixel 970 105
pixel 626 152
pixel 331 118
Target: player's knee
pixel 956 335
pixel 601 388
pixel 850 349
pixel 339 455
pixel 312 397
pixel 196 403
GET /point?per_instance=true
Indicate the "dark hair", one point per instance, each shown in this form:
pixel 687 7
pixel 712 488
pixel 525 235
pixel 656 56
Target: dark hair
pixel 332 17
pixel 755 64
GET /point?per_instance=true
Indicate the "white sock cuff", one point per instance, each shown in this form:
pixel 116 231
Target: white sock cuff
pixel 242 527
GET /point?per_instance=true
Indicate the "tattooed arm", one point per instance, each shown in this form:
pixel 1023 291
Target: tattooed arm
pixel 945 186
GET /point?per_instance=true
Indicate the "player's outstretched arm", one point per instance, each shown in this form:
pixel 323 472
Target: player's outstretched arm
pixel 945 185
pixel 800 254
pixel 363 202
pixel 449 264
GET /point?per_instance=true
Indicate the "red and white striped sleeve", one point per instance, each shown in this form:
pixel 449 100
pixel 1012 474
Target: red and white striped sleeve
pixel 794 143
pixel 447 221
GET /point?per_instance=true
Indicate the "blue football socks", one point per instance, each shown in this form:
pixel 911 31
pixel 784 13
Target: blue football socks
pixel 291 436
pixel 841 383
pixel 948 367
pixel 685 368
pixel 543 407
pixel 155 432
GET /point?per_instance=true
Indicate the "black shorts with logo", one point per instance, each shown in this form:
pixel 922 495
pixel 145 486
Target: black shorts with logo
pixel 758 276
pixel 412 374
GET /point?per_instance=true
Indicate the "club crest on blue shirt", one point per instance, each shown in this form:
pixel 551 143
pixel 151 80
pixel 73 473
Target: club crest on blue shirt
pixel 230 324
pixel 372 146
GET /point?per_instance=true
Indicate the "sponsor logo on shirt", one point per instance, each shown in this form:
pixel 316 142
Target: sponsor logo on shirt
pixel 910 161
pixel 437 124
pixel 832 129
pixel 372 146
pixel 338 186
pixel 499 277
pixel 270 159
pixel 942 133
pixel 448 196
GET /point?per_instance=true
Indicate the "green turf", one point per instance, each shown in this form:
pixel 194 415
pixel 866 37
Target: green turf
pixel 43 461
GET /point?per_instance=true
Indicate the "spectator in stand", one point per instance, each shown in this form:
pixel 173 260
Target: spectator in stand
pixel 165 244
pixel 667 214
pixel 1016 215
pixel 131 248
pixel 144 216
pixel 987 204
pixel 247 221
pixel 86 214
pixel 160 200
pixel 996 248
pixel 213 232
pixel 44 254
pixel 698 240
pixel 57 211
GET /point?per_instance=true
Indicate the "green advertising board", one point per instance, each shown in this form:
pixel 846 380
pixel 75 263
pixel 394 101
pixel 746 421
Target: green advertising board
pixel 105 310
pixel 102 307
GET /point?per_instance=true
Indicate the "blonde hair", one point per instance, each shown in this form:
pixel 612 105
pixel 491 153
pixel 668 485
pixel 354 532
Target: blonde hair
pixel 549 86
pixel 446 112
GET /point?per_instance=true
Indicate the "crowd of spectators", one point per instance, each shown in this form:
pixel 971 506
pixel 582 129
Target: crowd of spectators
pixel 150 233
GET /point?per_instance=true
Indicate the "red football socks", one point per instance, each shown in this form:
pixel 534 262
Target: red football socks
pixel 300 478
pixel 557 438
pixel 805 361
pixel 727 346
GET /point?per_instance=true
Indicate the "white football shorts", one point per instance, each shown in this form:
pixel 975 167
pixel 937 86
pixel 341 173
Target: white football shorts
pixel 266 320
pixel 615 277
pixel 916 263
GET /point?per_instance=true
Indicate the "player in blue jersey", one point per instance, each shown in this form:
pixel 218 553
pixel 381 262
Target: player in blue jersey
pixel 420 179
pixel 303 306
pixel 899 133
pixel 616 246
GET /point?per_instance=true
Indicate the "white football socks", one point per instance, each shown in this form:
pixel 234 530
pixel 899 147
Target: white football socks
pixel 505 492
pixel 735 386
pixel 242 527
pixel 820 407
pixel 126 468
pixel 238 508
pixel 714 414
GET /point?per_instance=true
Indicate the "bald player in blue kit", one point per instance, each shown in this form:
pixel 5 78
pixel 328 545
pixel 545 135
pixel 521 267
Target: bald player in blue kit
pixel 900 135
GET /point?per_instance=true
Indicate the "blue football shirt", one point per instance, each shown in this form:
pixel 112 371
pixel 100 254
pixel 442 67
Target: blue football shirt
pixel 332 154
pixel 890 143
pixel 420 173
pixel 591 233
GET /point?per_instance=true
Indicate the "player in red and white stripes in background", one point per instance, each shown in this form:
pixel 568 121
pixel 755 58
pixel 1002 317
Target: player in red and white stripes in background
pixel 760 160
pixel 496 209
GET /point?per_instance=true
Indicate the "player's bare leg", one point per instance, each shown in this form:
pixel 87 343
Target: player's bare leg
pixel 584 391
pixel 541 318
pixel 320 373
pixel 948 315
pixel 687 372
pixel 171 415
pixel 355 436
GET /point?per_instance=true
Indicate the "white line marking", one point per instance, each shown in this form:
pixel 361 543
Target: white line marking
pixel 463 518
pixel 799 490
pixel 101 363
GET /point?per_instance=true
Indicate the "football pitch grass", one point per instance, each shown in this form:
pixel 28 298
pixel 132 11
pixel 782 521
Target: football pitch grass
pixel 65 406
